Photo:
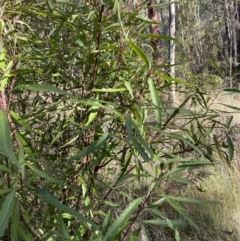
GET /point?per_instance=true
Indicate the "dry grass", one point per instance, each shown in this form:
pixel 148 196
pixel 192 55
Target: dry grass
pixel 222 221
pixel 217 222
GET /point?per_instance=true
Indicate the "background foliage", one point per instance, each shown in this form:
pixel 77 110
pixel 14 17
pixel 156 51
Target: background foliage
pixel 91 146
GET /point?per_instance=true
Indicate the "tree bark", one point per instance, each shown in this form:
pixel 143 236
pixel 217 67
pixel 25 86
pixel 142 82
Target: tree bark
pixel 154 29
pixel 172 45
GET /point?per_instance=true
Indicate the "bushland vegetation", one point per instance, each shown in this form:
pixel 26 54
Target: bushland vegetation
pixel 93 146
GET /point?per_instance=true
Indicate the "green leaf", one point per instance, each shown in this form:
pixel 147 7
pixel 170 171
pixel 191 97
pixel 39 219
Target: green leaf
pixel 4 191
pixel 21 160
pixel 195 164
pixel 229 122
pixel 192 200
pixel 145 231
pixel 26 143
pixel 156 211
pixel 129 88
pixel 156 101
pixel 114 26
pixel 41 87
pixel 91 148
pixel 234 91
pixel 118 224
pixel 135 142
pixel 182 180
pixel 5 139
pixel 189 143
pixel 25 236
pixel 140 53
pixel 15 221
pixel 142 140
pixel 92 115
pixel 230 148
pixel 175 80
pixel 48 198
pixel 156 36
pixel 232 107
pixel 177 111
pixel 164 223
pixel 180 210
pixel 6 76
pixel 21 121
pixel 6 211
pixel 62 226
pixel 177 235
pixel 106 222
pixel 110 90
pixel 111 204
pixel 2 57
pixel 42 173
pixel 214 65
pixel 5 169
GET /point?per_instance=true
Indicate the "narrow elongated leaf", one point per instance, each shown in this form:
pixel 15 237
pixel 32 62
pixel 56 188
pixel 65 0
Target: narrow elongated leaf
pixel 234 91
pixel 142 140
pixel 164 223
pixel 232 107
pixel 62 226
pixel 129 88
pixel 182 180
pixel 5 139
pixel 157 212
pixel 180 210
pixel 5 169
pixel 15 220
pixel 112 27
pixel 21 121
pixel 216 142
pixel 6 76
pixel 192 200
pixel 140 53
pixel 177 111
pixel 113 231
pixel 47 197
pixel 41 87
pixel 111 90
pixel 106 222
pixel 6 211
pixel 177 235
pixel 42 173
pixel 26 143
pixel 156 36
pixel 21 160
pixel 229 121
pixel 189 143
pixel 156 101
pixel 147 235
pixel 214 65
pixel 173 171
pixel 92 115
pixel 4 191
pixel 175 80
pixel 132 139
pixel 230 148
pixel 23 235
pixel 195 164
pixel 91 148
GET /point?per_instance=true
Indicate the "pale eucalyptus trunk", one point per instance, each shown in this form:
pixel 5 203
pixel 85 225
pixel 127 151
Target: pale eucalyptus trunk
pixel 172 46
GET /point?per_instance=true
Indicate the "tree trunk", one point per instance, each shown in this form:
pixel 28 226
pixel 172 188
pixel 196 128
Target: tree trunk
pixel 172 46
pixel 228 37
pixel 154 29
